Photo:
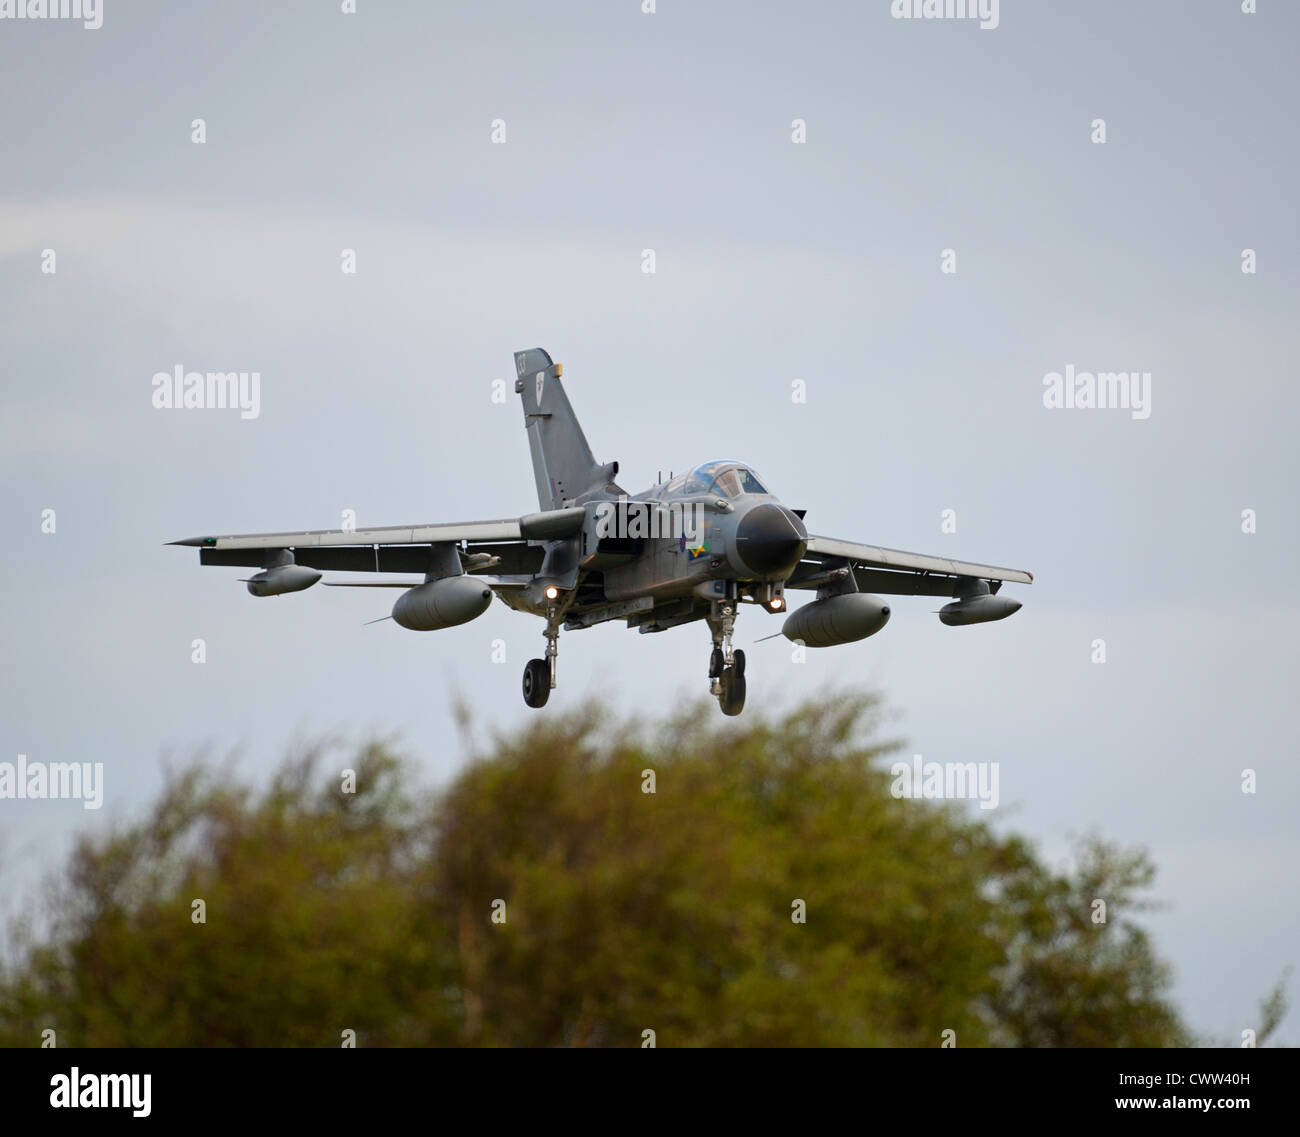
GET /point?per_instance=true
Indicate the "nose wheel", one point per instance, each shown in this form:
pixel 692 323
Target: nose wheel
pixel 726 665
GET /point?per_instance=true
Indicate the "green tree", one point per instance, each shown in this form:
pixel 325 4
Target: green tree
pixel 621 911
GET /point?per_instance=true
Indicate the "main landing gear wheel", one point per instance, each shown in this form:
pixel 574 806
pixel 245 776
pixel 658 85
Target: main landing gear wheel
pixel 537 682
pixel 732 698
pixel 726 666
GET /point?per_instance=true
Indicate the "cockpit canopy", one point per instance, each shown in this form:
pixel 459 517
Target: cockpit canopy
pixel 721 478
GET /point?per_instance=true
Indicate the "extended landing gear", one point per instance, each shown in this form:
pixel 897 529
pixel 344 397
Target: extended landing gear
pixel 539 674
pixel 726 666
pixel 732 697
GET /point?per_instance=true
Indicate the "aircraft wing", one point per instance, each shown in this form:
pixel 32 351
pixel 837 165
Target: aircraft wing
pixel 894 572
pixel 395 548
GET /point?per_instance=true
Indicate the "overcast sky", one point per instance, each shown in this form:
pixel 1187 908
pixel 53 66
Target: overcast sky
pixel 775 261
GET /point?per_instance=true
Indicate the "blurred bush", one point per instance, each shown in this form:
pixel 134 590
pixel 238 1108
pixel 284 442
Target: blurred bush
pixel 623 911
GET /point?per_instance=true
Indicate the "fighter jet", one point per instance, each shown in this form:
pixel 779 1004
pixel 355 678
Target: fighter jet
pixel 697 547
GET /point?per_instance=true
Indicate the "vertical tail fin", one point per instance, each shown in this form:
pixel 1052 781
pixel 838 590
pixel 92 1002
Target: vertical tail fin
pixel 562 460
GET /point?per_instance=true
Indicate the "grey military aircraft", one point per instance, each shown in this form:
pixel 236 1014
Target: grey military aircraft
pixel 696 547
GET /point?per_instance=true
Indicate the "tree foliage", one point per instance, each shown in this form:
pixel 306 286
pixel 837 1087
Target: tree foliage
pixel 622 911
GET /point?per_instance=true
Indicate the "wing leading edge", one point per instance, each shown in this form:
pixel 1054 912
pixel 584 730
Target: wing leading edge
pixel 894 572
pixel 505 530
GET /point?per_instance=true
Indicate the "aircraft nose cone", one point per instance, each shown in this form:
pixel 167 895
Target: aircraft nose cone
pixel 770 539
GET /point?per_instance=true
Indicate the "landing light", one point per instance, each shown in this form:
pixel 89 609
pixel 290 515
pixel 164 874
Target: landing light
pixel 777 604
pixel 552 592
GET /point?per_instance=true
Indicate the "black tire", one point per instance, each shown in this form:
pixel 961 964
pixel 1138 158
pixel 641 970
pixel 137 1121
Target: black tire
pixel 537 682
pixel 739 657
pixel 717 661
pixel 732 699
